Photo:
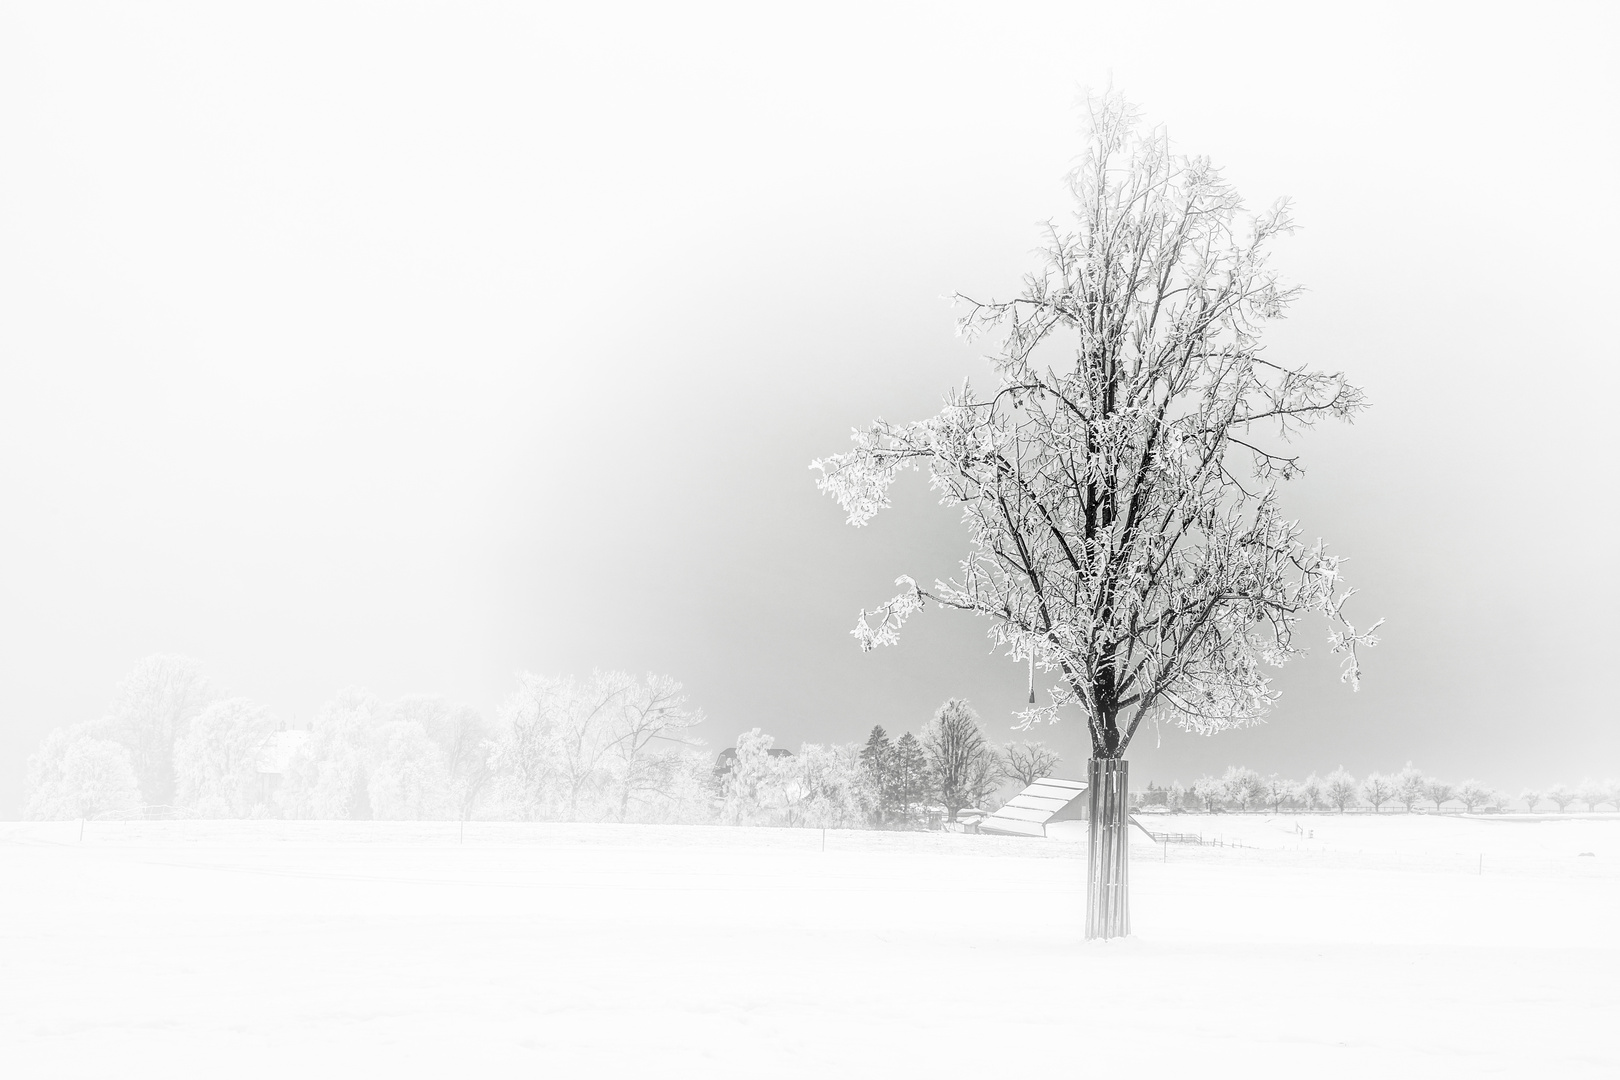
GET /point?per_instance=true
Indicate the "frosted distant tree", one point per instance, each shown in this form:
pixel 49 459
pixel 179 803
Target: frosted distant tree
pixel 784 793
pixel 1243 786
pixel 1379 789
pixel 1560 796
pixel 1612 793
pixel 1339 787
pixel 407 779
pixel 1028 761
pixel 460 733
pixel 1411 787
pixel 1210 791
pixel 328 777
pixel 216 760
pixel 47 796
pixel 819 787
pixel 647 726
pixel 99 777
pixel 911 779
pixel 154 707
pixel 1279 791
pixel 745 791
pixel 1313 790
pixel 963 767
pixel 465 740
pixel 686 796
pixel 585 737
pixel 1119 480
pixel 76 775
pixel 1178 793
pixel 1473 794
pixel 524 756
pixel 609 747
pixel 1591 793
pixel 1440 793
pixel 1532 798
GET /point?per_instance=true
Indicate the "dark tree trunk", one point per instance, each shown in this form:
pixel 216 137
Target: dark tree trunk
pixel 1108 900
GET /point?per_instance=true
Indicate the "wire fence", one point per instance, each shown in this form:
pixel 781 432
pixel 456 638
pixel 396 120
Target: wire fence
pixel 1214 850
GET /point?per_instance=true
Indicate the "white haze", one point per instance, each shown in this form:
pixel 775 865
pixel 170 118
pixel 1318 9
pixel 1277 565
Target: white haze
pixel 409 347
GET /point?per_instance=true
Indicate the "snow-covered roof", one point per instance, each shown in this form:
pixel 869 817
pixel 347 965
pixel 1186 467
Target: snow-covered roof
pixel 277 750
pixel 1048 799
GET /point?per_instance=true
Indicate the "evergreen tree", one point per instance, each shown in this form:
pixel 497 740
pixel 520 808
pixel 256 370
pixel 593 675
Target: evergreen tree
pixel 910 777
pixel 877 769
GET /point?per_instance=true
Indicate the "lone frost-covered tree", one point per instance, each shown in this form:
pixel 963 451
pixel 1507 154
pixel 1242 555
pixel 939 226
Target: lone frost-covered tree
pixel 1119 480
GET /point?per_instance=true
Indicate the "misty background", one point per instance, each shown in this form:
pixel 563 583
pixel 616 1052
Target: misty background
pixel 407 348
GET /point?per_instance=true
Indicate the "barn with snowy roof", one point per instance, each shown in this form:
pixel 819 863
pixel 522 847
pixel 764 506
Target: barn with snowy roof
pixel 1047 801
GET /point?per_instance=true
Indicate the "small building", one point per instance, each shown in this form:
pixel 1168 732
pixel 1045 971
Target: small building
pixel 1047 801
pixel 968 819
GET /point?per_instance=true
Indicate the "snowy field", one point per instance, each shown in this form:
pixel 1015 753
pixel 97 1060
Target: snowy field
pixel 1367 948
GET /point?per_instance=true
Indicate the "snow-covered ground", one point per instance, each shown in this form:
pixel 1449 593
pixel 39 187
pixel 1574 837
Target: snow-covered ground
pixel 1391 947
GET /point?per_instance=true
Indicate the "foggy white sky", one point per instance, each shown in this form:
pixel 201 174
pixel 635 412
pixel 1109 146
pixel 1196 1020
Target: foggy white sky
pixel 357 345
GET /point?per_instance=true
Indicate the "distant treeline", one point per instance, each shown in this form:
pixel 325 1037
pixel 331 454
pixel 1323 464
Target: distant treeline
pixel 609 747
pixel 1244 789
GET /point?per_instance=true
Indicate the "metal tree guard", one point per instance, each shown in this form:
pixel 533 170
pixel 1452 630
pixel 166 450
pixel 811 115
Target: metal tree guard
pixel 1108 913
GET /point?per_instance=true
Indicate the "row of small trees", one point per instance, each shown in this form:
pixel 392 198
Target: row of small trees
pixel 885 783
pixel 610 747
pixel 953 766
pixel 1244 789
